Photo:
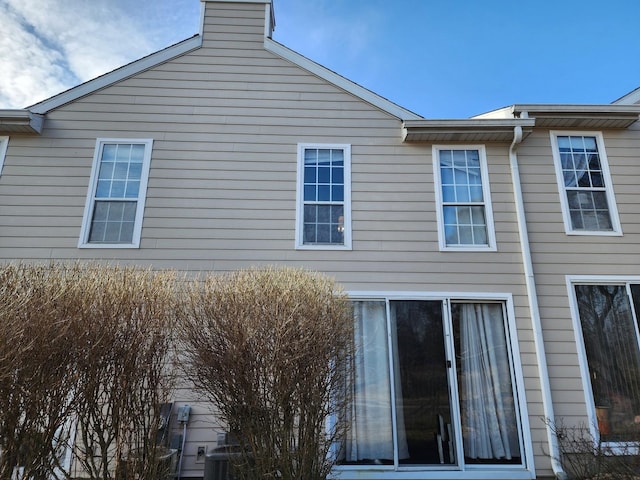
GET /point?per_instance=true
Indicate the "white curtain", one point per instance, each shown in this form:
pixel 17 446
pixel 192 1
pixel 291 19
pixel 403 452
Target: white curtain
pixel 486 397
pixel 370 436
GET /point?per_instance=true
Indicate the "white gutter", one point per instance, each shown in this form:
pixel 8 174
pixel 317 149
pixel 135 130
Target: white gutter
pixel 543 371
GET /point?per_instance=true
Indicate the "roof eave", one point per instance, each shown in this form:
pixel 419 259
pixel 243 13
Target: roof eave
pixel 464 130
pixel 579 116
pixel 20 121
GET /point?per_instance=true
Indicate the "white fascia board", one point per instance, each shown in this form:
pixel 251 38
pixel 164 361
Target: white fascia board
pixel 117 75
pixel 339 81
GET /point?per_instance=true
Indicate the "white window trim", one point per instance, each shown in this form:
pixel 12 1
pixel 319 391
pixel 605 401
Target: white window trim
pixel 93 183
pixel 571 282
pixel 299 232
pixel 486 192
pixel 470 472
pixel 4 143
pixel 604 164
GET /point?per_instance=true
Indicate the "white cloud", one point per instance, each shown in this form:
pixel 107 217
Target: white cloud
pixel 48 46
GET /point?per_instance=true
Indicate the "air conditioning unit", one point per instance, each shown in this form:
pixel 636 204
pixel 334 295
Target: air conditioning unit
pixel 216 466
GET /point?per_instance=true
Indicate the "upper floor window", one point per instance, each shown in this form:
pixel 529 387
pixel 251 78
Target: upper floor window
pixel 324 196
pixel 115 200
pixel 4 142
pixel 465 219
pixel 586 193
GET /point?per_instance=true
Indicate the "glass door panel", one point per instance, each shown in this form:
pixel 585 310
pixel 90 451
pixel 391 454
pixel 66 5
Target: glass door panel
pixel 490 431
pixel 369 440
pixel 423 411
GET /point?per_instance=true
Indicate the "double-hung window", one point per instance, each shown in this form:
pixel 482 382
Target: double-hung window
pixel 435 387
pixel 116 196
pixel 584 182
pixel 324 197
pixel 608 314
pixel 465 218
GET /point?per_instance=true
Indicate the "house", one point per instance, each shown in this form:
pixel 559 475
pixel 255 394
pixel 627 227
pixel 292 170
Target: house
pixel 492 261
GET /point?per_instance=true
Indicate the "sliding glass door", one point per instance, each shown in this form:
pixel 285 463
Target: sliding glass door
pixel 433 386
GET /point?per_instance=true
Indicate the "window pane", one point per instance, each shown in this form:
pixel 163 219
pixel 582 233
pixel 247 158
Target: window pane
pixel 132 189
pixel 135 171
pixel 487 403
pixel 611 344
pixel 121 171
pixel 309 175
pixel 446 174
pixel 324 157
pixel 310 213
pixel 451 235
pixel 310 193
pixel 323 233
pixel 459 159
pixel 324 213
pixel 117 189
pixel 106 170
pixel 109 153
pixel 309 234
pixel 448 194
pixel 462 194
pixel 476 194
pixel 337 157
pixel 103 189
pixel 337 175
pixel 310 156
pixel 123 152
pixel 324 175
pixel 137 153
pixel 466 234
pixel 324 193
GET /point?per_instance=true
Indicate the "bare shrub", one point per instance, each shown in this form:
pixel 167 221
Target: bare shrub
pixel 124 370
pixel 36 381
pixel 87 349
pixel 585 457
pixel 272 350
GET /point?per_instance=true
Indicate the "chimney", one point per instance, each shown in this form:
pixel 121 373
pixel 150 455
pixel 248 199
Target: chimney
pixel 236 21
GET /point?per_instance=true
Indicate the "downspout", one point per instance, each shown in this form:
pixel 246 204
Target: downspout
pixel 547 402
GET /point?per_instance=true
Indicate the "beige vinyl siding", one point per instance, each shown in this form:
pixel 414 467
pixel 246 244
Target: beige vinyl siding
pixel 556 255
pixel 225 120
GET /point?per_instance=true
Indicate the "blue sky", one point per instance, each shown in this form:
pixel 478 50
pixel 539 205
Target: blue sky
pixel 438 58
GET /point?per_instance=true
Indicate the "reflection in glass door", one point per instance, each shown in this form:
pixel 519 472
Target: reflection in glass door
pixel 423 404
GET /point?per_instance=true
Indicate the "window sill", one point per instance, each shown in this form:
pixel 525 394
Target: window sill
pixel 108 245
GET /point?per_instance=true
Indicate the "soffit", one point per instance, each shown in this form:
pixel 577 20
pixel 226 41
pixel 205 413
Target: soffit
pixel 464 130
pixel 586 117
pixel 20 121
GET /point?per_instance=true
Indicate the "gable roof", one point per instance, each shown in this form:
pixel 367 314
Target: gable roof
pixel 195 42
pixel 117 75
